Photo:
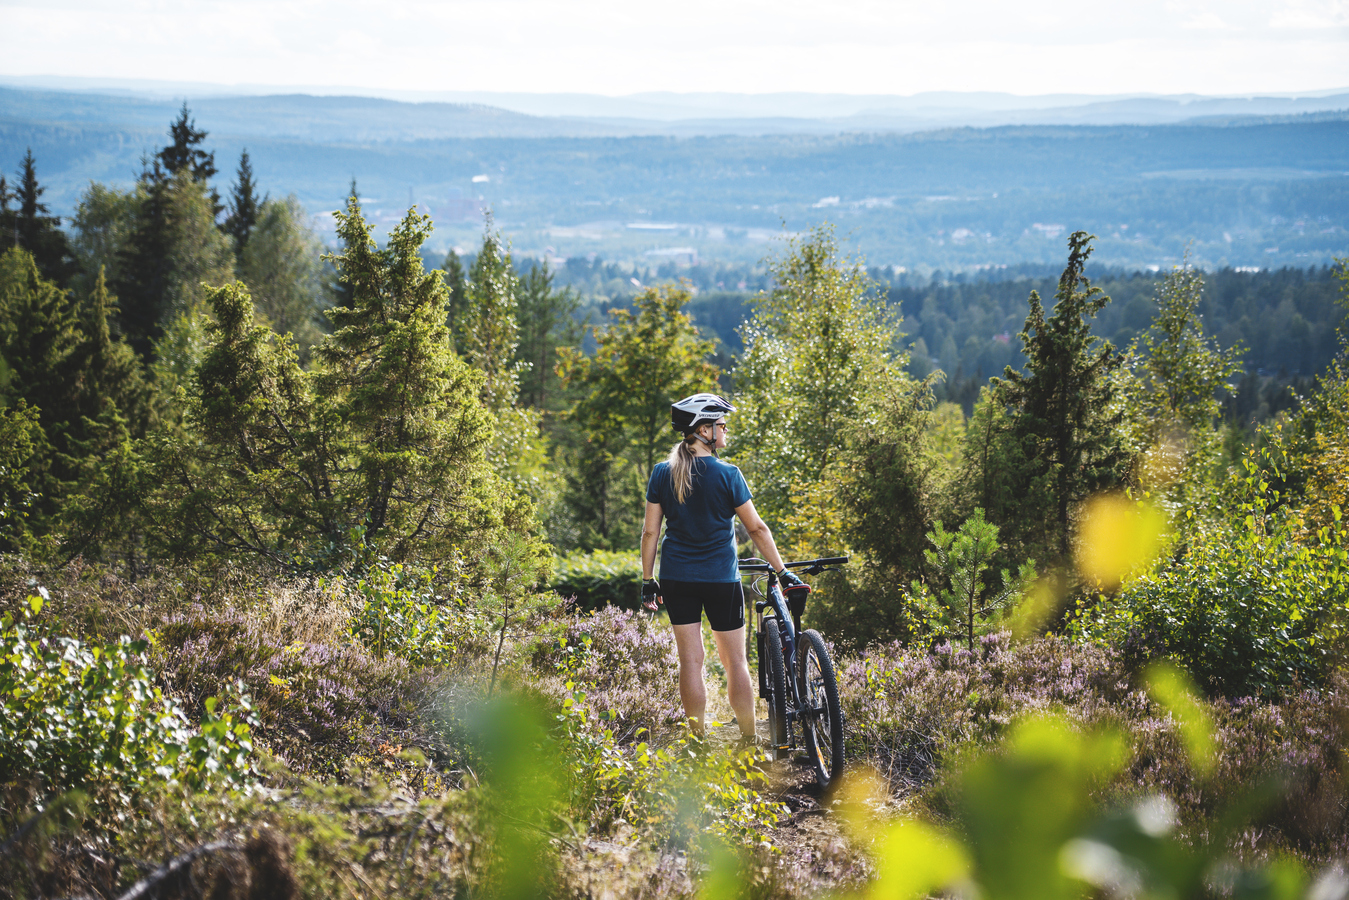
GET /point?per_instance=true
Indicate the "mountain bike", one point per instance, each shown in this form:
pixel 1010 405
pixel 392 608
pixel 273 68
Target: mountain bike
pixel 796 675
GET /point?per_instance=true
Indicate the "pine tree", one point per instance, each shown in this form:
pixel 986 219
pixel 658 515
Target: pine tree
pixel 243 206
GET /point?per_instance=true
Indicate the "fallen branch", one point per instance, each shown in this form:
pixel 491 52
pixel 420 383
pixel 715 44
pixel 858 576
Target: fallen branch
pixel 140 888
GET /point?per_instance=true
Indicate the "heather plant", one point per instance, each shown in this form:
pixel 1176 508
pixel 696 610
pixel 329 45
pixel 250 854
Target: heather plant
pixel 627 662
pixel 318 701
pixel 90 718
pixel 677 790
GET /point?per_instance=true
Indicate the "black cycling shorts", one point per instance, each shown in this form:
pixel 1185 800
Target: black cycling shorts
pixel 686 601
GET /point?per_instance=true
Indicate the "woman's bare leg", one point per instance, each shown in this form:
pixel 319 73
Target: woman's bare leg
pixel 731 649
pixel 692 688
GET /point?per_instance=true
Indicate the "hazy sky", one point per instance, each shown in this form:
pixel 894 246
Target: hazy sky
pixel 620 46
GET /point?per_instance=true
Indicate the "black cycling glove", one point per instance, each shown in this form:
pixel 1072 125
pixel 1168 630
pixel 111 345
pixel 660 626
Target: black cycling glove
pixel 651 592
pixel 789 582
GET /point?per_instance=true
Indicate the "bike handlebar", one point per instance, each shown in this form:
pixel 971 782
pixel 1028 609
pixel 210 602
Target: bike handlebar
pixel 812 566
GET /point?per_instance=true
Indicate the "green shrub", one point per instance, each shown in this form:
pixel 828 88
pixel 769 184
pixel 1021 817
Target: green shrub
pixel 601 578
pixel 1254 603
pixel 407 612
pixel 90 718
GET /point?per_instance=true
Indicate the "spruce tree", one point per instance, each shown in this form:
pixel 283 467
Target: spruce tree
pixel 36 230
pixel 458 301
pixel 185 155
pixel 39 334
pixel 545 319
pixel 1062 417
pixel 243 206
pixel 8 220
pixel 175 244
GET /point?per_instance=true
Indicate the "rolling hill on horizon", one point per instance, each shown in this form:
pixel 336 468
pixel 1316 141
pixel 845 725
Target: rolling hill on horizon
pixel 1251 190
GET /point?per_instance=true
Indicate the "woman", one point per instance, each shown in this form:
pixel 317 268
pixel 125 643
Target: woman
pixel 700 496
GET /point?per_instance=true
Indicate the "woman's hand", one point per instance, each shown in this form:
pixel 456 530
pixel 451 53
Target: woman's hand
pixel 651 597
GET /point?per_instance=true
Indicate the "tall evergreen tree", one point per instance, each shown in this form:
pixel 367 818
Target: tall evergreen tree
pixel 1062 416
pixel 457 305
pixel 175 244
pixel 184 154
pixel 244 206
pixel 39 334
pixel 545 318
pixel 8 221
pixel 35 229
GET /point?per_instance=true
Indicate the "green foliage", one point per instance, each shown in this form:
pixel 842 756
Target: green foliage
pixel 414 613
pixel 646 359
pixel 1254 603
pixel 678 790
pixel 21 449
pixel 958 562
pixel 1060 440
pixel 816 346
pixel 281 262
pixel 1179 372
pixel 90 718
pixel 599 578
pixel 381 444
pixel 101 232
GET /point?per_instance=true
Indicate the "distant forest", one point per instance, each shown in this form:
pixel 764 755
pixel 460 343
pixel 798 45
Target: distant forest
pixel 1236 192
pixel 1284 320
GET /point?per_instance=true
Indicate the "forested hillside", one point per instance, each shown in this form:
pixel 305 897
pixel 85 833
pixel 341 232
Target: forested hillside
pixel 318 570
pixel 1236 192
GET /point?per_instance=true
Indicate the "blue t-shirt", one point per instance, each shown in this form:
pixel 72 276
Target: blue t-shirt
pixel 700 532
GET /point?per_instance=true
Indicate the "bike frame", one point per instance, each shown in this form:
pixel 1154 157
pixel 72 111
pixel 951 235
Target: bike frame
pixel 790 626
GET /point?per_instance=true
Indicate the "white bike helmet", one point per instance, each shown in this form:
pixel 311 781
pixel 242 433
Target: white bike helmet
pixel 689 413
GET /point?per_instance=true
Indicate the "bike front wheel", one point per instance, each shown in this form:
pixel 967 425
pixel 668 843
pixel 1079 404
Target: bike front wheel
pixel 822 719
pixel 776 682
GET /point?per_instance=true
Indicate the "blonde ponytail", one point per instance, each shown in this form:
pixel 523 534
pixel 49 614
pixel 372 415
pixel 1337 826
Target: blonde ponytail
pixel 681 467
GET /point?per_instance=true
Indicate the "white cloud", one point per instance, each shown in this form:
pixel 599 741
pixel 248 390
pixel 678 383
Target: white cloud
pixel 619 47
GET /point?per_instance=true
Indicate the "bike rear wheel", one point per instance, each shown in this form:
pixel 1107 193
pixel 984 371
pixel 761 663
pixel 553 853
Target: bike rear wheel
pixel 775 678
pixel 822 718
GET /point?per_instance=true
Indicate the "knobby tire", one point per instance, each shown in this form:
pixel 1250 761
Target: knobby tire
pixel 777 688
pixel 819 691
